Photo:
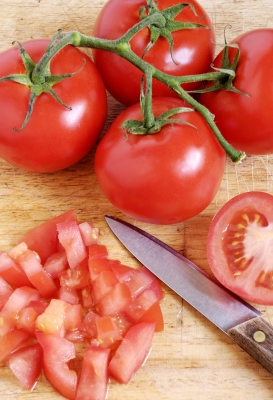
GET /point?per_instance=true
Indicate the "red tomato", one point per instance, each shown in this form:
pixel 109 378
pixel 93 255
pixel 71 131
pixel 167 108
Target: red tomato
pixel 55 137
pixel 115 301
pixel 11 272
pixel 5 292
pixel 26 364
pixel 94 374
pixel 245 121
pixel 239 246
pixel 30 263
pixel 20 298
pixel 57 352
pixel 193 49
pixel 44 238
pixel 162 178
pixel 132 351
pixel 11 341
pixel 71 239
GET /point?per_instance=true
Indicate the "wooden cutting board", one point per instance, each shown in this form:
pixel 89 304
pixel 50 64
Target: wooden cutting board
pixel 191 359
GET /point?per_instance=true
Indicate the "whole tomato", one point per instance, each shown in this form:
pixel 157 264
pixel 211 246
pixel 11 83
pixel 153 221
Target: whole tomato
pixel 55 137
pixel 193 49
pixel 246 120
pixel 161 178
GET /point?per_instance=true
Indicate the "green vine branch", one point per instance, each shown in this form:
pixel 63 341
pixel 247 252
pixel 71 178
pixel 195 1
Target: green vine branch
pixel 39 79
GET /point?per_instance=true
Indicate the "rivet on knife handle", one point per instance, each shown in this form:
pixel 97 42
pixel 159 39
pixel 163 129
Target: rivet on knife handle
pixel 256 337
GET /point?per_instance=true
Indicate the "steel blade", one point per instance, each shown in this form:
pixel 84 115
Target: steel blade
pixel 199 289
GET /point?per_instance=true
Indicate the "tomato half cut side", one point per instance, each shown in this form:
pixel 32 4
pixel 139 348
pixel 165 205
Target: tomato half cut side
pixel 239 246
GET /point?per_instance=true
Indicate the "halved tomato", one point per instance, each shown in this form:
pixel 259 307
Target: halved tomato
pixel 239 246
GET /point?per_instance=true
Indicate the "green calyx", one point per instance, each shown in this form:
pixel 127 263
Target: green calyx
pixel 171 25
pixel 150 124
pixel 43 84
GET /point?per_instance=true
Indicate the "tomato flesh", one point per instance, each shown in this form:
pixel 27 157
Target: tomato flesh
pixel 26 364
pixel 85 297
pixel 239 246
pixel 132 351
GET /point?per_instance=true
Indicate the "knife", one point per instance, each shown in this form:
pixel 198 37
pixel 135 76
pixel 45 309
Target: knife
pixel 235 317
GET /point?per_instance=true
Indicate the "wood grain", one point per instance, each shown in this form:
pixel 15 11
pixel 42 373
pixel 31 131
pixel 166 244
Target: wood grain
pixel 191 359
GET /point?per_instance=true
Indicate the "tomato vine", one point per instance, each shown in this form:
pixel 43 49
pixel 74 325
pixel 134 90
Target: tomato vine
pixel 160 23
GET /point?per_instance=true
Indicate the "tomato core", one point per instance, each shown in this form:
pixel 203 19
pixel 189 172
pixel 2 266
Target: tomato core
pixel 245 241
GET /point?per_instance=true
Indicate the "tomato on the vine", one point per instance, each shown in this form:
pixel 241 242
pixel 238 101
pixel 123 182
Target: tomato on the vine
pixel 162 178
pixel 55 137
pixel 239 246
pixel 193 49
pixel 246 120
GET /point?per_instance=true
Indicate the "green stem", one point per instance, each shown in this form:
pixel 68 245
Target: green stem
pixel 122 47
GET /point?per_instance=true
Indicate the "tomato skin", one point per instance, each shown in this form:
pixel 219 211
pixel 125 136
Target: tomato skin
pixel 244 121
pixel 160 178
pixel 193 48
pixel 245 281
pixel 57 352
pixel 132 351
pixel 55 137
pixel 26 364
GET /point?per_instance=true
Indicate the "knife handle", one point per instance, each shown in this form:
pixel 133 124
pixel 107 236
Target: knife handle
pixel 256 338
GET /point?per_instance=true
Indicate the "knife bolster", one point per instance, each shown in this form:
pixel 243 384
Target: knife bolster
pixel 256 338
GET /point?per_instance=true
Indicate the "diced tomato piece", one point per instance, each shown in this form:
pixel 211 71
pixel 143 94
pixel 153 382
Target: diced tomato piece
pixel 97 251
pixel 132 351
pixel 87 298
pixel 20 298
pixel 97 265
pixel 76 278
pixel 142 303
pixel 89 326
pixel 56 264
pixel 39 306
pixel 103 284
pixel 73 317
pixel 11 341
pixel 70 238
pixel 154 314
pixel 11 272
pixel 44 238
pixel 75 336
pixel 52 320
pixel 93 379
pixel 108 331
pixel 69 295
pixel 58 351
pixel 5 292
pixel 115 301
pixel 89 233
pixel 36 274
pixel 26 320
pixel 138 280
pixel 26 364
pixel 121 271
pixel 122 322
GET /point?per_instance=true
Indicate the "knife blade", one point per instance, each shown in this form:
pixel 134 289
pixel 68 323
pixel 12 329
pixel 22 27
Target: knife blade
pixel 235 317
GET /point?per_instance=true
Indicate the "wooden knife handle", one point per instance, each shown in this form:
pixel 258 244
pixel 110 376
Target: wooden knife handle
pixel 256 338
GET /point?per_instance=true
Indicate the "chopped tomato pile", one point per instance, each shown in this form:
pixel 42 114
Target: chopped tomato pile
pixel 58 288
